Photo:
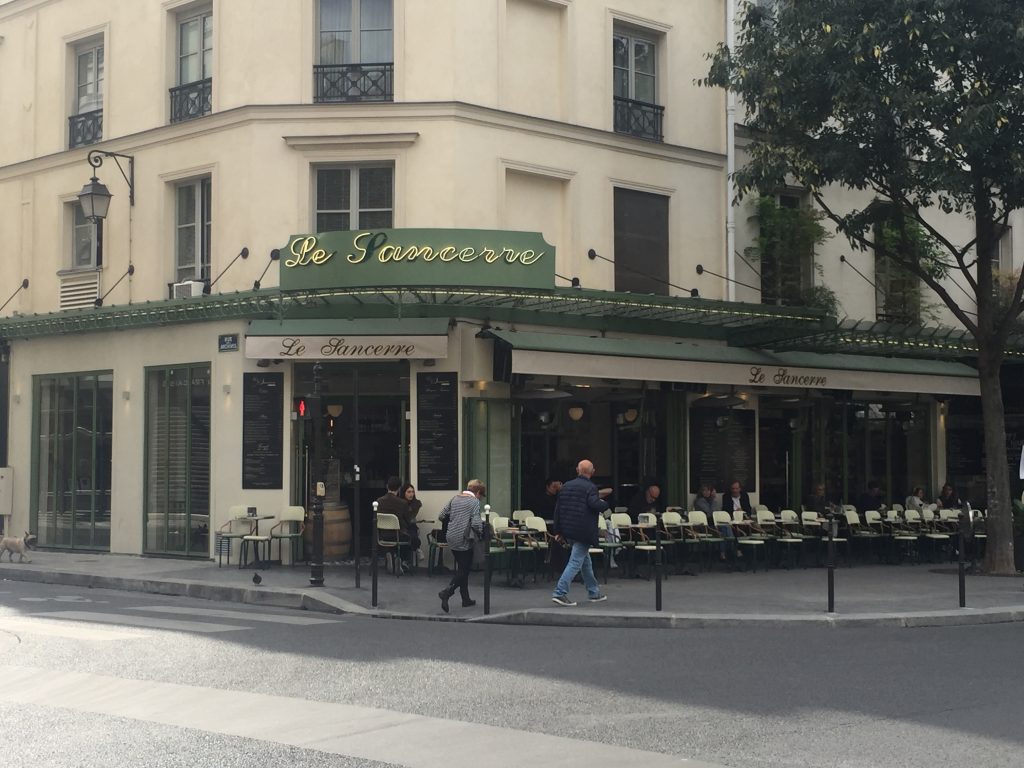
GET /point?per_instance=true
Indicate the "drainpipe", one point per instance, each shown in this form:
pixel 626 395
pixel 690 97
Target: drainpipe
pixel 730 161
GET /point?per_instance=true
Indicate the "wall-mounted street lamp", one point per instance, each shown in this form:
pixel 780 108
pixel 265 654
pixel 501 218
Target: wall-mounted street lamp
pixel 95 197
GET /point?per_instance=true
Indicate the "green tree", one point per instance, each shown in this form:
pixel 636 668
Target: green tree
pixel 919 103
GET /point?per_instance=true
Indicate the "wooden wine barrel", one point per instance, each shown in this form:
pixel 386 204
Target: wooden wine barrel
pixel 337 533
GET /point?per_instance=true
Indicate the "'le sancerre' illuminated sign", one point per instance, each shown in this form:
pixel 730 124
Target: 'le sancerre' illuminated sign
pixel 418 257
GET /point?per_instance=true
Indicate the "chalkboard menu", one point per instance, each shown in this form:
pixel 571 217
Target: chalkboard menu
pixel 262 430
pixel 722 448
pixel 437 429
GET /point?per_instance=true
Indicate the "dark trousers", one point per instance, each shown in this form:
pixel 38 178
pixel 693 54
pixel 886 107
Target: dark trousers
pixel 460 581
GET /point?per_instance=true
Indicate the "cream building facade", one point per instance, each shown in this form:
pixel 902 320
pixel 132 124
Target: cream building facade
pixel 148 389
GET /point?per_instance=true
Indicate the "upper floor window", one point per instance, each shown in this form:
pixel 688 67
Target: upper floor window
pixel 641 242
pixel 191 97
pixel 85 125
pixel 193 224
pixel 788 232
pixel 356 51
pixel 635 83
pixel 354 197
pixel 898 296
pixel 86 239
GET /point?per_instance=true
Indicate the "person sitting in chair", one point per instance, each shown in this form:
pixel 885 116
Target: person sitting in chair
pixel 391 504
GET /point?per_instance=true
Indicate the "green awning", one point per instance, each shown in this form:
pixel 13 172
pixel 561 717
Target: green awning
pixel 654 359
pixel 426 326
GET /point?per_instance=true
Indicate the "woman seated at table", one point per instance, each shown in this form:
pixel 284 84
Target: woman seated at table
pixel 408 494
pixel 915 500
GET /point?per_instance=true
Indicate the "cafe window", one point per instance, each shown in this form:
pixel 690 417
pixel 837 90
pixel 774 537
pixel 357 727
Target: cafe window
pixel 354 197
pixel 641 242
pixel 177 449
pixel 72 463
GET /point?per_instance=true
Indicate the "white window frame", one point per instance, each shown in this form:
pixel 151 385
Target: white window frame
pixel 1004 250
pixel 94 48
pixel 199 230
pixel 205 18
pixel 355 40
pixel 633 35
pixel 355 208
pixel 77 225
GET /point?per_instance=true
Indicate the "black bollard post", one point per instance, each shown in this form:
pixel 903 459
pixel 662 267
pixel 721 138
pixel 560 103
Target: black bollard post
pixel 373 558
pixel 961 547
pixel 830 523
pixel 657 568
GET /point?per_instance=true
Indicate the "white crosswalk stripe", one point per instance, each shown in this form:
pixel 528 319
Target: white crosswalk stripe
pixel 30 625
pixel 296 619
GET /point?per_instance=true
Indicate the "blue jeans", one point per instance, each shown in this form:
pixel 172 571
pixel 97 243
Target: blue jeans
pixel 579 561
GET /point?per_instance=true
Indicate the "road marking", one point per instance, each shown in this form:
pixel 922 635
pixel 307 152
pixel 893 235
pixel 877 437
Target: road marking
pixel 342 729
pixel 24 625
pixel 61 599
pixel 141 621
pixel 273 618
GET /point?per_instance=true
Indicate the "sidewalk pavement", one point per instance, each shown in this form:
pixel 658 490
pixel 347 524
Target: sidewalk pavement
pixel 894 595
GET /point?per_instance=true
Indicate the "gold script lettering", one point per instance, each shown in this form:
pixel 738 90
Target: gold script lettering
pixel 304 251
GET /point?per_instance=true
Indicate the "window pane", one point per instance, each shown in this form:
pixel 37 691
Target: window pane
pixel 375 47
pixel 375 14
pixel 621 80
pixel 99 68
pixel 645 90
pixel 82 239
pixel 375 188
pixel 85 69
pixel 188 69
pixel 375 219
pixel 332 222
pixel 641 242
pixel 189 39
pixel 335 15
pixel 643 57
pixel 332 189
pixel 335 47
pixel 186 204
pixel 620 52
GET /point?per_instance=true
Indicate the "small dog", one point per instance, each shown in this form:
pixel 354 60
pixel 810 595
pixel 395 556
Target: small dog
pixel 19 544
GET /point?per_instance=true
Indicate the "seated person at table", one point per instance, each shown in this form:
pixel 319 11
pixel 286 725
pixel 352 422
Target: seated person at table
pixel 817 501
pixel 872 499
pixel 705 503
pixel 391 504
pixel 948 498
pixel 545 505
pixel 915 500
pixel 408 492
pixel 645 500
pixel 737 499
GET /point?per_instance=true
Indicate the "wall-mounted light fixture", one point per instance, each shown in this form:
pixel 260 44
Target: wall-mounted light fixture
pixel 576 412
pixel 335 410
pixel 630 415
pixel 126 395
pixel 95 197
pixel 227 389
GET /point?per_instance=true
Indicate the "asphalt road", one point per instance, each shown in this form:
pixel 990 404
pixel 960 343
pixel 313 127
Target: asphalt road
pixel 100 678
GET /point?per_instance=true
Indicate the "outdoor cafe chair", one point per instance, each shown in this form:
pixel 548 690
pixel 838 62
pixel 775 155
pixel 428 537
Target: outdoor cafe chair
pixel 391 539
pixel 926 530
pixel 706 537
pixel 540 543
pixel 858 531
pixel 522 515
pixel 238 525
pixel 435 548
pixel 284 530
pixel 674 535
pixel 622 523
pixel 811 523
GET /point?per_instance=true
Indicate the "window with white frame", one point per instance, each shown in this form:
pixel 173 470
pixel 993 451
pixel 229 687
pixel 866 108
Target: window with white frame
pixel 85 124
pixel 1003 261
pixel 354 197
pixel 193 208
pixel 355 52
pixel 635 83
pixel 195 47
pixel 356 31
pixel 86 239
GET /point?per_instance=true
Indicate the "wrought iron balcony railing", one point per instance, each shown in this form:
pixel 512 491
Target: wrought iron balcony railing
pixel 85 128
pixel 191 100
pixel 353 82
pixel 637 118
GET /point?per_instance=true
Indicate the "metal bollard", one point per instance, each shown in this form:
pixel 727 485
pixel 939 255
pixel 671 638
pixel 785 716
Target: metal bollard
pixel 964 521
pixel 831 524
pixel 373 559
pixel 657 568
pixel 487 559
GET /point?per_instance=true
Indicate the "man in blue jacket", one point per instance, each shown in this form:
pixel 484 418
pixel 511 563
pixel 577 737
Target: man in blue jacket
pixel 576 512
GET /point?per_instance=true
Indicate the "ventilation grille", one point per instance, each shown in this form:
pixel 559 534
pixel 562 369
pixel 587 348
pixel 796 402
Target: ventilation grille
pixel 79 291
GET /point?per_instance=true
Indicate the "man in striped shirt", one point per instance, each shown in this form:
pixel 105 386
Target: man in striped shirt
pixel 463 516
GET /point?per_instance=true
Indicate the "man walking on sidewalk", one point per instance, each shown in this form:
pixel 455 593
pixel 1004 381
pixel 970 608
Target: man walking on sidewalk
pixel 463 516
pixel 579 504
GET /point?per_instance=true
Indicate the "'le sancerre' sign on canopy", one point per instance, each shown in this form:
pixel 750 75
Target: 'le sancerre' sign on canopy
pixel 418 257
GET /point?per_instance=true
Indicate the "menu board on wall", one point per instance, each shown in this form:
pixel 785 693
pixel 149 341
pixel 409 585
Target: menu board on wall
pixel 722 448
pixel 262 430
pixel 437 431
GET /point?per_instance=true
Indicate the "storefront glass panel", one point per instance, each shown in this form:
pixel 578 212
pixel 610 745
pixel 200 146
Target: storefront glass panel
pixel 72 466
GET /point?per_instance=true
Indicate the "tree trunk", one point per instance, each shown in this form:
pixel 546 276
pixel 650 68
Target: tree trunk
pixel 999 525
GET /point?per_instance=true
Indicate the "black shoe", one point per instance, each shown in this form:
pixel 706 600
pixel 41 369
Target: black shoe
pixel 468 603
pixel 443 594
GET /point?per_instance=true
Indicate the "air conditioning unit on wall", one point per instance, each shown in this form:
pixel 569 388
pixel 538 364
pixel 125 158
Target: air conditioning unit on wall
pixel 187 290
